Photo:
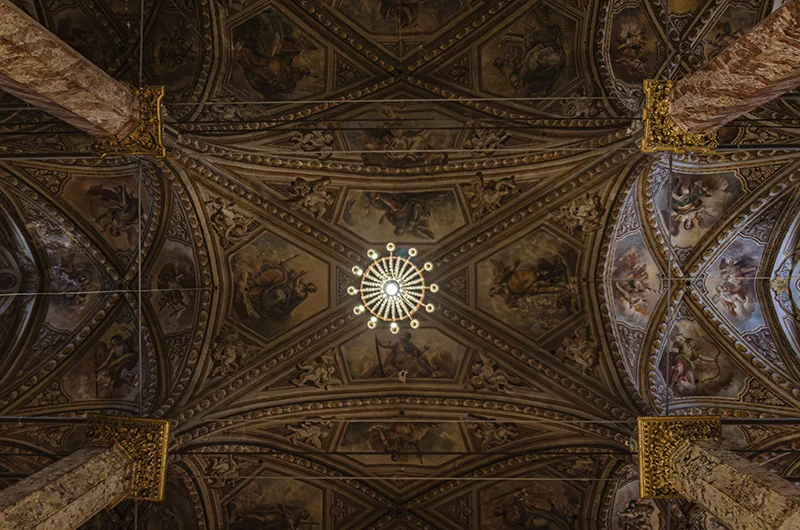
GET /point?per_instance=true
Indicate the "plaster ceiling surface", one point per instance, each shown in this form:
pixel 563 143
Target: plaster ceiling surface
pixel 582 283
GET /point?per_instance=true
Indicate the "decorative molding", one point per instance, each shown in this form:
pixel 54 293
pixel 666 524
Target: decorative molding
pixel 659 437
pixel 146 440
pixel 147 137
pixel 661 133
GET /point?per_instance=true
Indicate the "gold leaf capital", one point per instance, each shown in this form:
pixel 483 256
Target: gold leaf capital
pixel 659 437
pixel 146 440
pixel 148 136
pixel 661 133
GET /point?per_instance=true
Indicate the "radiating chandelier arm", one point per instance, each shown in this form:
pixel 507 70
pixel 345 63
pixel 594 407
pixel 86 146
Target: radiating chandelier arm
pixel 392 289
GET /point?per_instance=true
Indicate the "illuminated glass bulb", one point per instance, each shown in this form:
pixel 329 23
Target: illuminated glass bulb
pixel 428 266
pixel 390 247
pixel 434 288
pixel 371 324
pixel 430 308
pixel 372 254
pixel 412 252
pixel 391 288
pixel 414 323
pixel 352 290
pixel 357 271
pixel 394 328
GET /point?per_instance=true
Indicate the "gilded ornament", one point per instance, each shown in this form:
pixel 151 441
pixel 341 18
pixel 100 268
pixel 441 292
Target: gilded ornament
pixel 147 137
pixel 146 440
pixel 661 133
pixel 659 437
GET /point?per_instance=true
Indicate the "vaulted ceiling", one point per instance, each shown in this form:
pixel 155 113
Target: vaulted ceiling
pixel 582 282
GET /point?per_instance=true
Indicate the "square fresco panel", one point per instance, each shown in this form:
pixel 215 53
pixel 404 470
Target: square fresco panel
pixel 422 353
pixel 277 285
pixel 401 217
pixel 530 285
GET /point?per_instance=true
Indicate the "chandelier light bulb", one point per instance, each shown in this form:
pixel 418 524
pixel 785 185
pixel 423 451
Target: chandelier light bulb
pixel 430 308
pixel 392 289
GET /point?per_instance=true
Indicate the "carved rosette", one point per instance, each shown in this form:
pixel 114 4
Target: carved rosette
pixel 661 133
pixel 147 137
pixel 659 437
pixel 146 440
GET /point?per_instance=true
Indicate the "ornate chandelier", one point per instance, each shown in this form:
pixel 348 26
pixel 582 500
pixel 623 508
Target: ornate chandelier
pixel 392 289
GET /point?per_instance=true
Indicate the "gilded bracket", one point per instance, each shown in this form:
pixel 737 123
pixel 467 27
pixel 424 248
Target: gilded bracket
pixel 148 136
pixel 661 133
pixel 659 437
pixel 146 440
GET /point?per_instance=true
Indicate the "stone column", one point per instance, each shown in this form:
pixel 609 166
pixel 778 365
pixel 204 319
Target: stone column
pixel 754 70
pixel 69 492
pixel 124 458
pixel 37 67
pixel 680 456
pixel 683 116
pixel 741 494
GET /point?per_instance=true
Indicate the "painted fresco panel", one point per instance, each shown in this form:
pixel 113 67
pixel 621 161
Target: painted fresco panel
pixel 401 217
pixel 277 285
pixel 424 353
pixel 530 285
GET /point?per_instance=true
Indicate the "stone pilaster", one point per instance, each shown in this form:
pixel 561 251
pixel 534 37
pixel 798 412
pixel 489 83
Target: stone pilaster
pixel 37 67
pixel 124 458
pixel 738 492
pixel 755 69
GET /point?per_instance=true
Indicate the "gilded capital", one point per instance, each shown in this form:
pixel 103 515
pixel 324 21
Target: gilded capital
pixel 147 138
pixel 659 437
pixel 146 440
pixel 661 133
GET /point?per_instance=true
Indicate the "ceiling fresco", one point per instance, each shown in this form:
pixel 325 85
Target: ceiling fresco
pixel 582 283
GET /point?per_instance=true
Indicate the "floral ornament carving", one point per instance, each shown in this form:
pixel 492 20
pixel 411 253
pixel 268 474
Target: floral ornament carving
pixel 315 141
pixel 146 440
pixel 229 353
pixel 311 197
pixel 580 350
pixel 230 225
pixel 486 196
pixel 320 372
pixel 223 467
pixel 147 137
pixel 309 432
pixel 486 374
pixel 584 214
pixel 659 437
pixel 661 133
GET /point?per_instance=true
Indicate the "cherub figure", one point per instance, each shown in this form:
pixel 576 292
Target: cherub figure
pixel 320 372
pixel 486 374
pixel 312 197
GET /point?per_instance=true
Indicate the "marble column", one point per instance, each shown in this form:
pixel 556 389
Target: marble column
pixel 680 457
pixel 684 116
pixel 68 493
pixel 757 68
pixel 37 67
pixel 40 69
pixel 124 458
pixel 740 493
